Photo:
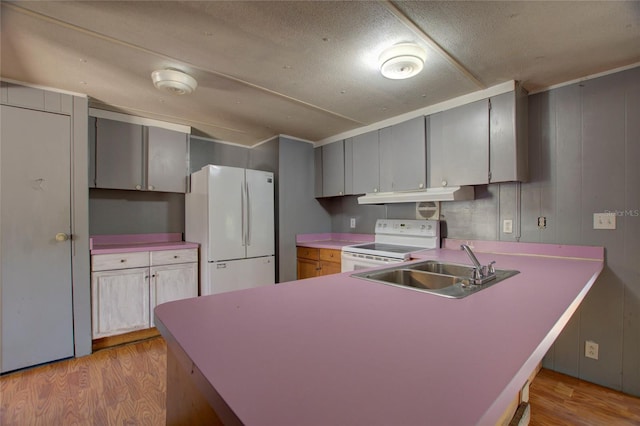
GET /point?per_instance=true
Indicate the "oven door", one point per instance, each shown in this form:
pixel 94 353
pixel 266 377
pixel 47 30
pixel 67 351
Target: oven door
pixel 354 261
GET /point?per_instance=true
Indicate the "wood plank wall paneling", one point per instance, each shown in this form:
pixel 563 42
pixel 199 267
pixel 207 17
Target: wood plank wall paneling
pixel 584 145
pixel 127 385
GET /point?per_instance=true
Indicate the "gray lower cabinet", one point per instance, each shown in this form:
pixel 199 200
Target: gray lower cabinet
pixel 366 163
pixel 458 141
pixel 35 206
pixel 135 157
pixel 126 287
pixel 403 159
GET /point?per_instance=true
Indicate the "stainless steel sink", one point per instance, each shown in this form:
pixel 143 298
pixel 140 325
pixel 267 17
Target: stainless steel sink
pixel 443 279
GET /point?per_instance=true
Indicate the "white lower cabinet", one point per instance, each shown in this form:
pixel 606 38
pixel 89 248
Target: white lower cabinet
pixel 172 282
pixel 120 301
pixel 126 287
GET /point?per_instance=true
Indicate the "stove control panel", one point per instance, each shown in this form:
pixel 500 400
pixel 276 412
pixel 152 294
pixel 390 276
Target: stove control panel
pixel 408 227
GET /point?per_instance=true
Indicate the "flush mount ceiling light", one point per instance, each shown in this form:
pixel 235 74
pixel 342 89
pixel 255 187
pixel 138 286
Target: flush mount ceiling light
pixel 174 81
pixel 402 61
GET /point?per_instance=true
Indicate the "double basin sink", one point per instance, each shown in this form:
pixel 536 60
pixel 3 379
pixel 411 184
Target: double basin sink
pixel 444 279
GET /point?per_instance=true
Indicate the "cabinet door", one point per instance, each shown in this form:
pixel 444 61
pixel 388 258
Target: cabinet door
pixel 366 165
pixel 317 168
pixel 120 301
pixel 119 155
pixel 92 152
pixel 403 156
pixel 172 282
pixel 308 268
pixel 459 145
pixel 167 160
pixel 348 166
pixel 333 169
pixel 508 137
pixel 330 268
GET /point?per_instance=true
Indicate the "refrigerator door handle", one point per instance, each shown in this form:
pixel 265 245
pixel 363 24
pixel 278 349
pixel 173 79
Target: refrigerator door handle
pixel 242 236
pixel 248 214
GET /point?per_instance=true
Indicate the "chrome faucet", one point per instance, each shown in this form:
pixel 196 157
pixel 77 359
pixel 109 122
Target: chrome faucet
pixel 481 274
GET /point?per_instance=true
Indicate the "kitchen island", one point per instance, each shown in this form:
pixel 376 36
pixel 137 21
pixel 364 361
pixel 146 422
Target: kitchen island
pixel 338 350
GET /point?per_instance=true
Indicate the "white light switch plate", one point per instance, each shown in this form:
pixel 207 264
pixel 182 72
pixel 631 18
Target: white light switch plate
pixel 604 221
pixel 507 226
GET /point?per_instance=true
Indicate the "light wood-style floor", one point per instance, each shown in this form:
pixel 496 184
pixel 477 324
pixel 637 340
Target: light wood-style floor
pixel 126 386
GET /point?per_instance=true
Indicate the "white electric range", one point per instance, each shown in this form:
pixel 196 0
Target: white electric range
pixel 395 240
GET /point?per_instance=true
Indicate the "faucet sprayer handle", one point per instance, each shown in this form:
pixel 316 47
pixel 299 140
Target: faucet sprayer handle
pixel 492 269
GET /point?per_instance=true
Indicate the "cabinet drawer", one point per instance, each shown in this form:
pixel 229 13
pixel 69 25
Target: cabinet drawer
pixel 330 255
pixel 308 253
pixel 168 257
pixel 104 262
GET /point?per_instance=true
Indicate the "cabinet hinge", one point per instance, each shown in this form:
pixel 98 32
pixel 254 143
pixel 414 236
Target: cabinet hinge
pixel 489 104
pixel 489 177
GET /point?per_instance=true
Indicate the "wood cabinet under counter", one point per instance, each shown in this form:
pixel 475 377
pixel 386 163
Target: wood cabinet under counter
pixel 316 262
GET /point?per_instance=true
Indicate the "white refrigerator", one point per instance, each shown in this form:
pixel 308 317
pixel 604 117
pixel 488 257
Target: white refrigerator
pixel 230 212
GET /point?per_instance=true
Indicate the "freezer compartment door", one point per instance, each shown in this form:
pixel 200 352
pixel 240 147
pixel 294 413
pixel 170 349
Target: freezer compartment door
pixel 260 213
pixel 227 218
pixel 239 275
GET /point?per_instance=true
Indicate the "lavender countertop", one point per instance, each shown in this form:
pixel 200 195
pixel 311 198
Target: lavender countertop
pixel 126 243
pixel 341 350
pixel 332 240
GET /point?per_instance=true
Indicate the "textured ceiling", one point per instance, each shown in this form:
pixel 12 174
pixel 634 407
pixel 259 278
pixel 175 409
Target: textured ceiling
pixel 305 68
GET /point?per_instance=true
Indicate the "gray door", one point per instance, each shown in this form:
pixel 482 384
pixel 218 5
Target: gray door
pixel 37 320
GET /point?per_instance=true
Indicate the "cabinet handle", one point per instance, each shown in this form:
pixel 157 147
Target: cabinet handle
pixel 176 256
pixel 123 260
pixel 138 187
pixel 150 187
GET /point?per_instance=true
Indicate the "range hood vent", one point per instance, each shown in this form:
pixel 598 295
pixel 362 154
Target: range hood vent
pixel 452 193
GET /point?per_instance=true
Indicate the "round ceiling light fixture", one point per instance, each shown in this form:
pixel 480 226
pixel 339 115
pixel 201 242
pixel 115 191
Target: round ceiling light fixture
pixel 402 61
pixel 174 81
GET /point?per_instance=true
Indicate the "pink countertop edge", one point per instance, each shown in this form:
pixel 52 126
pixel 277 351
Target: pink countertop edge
pixel 371 352
pixel 127 243
pixel 332 240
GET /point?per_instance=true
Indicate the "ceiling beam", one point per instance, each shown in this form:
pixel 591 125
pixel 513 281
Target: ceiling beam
pixel 400 15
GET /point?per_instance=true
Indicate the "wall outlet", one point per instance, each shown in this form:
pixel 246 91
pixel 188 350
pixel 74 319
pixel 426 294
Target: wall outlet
pixel 352 222
pixel 604 221
pixel 542 222
pixel 507 226
pixel 591 349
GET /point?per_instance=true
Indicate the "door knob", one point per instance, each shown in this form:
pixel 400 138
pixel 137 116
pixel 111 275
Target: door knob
pixel 61 236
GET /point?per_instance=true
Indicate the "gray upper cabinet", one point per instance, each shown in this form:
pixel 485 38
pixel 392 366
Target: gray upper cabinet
pixel 508 137
pixel 136 157
pixel 119 155
pixel 167 160
pixel 403 159
pixel 92 152
pixel 479 143
pixel 317 166
pixel 459 145
pixel 366 163
pixel 333 169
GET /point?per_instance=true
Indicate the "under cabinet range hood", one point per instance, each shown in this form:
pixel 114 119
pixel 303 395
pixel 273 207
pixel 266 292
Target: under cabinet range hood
pixel 449 193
